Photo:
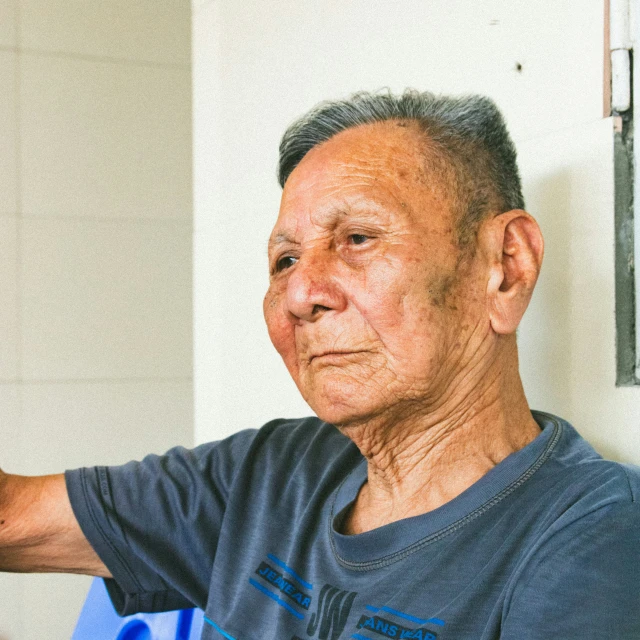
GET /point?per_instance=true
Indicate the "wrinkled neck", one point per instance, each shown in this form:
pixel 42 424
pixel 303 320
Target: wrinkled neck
pixel 421 457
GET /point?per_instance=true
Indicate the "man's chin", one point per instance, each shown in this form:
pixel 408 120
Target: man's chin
pixel 340 399
pixel 342 412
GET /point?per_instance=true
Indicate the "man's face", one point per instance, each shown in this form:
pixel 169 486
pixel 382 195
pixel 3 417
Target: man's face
pixel 365 303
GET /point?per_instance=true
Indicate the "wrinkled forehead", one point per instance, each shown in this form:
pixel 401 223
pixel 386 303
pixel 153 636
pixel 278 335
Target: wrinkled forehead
pixel 387 167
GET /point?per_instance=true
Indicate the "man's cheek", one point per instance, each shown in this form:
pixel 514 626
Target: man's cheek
pixel 282 338
pixel 274 314
pixel 282 335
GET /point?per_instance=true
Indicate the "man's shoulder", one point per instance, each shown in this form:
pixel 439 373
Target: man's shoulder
pixel 631 474
pixel 610 481
pixel 301 437
pixel 578 473
pixel 288 440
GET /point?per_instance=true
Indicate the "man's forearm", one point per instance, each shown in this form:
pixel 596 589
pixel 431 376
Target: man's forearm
pixel 7 524
pixel 38 530
pixel 17 535
pixel 6 516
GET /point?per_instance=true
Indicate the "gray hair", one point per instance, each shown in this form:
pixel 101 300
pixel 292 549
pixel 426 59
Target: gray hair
pixel 469 146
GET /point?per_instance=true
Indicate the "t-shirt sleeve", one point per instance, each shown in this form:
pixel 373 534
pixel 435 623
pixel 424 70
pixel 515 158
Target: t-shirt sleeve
pixel 583 583
pixel 155 523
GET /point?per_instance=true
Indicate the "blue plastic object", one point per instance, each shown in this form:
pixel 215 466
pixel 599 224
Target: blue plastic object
pixel 99 621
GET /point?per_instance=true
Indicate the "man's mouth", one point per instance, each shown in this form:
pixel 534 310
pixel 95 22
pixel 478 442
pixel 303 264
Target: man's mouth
pixel 333 356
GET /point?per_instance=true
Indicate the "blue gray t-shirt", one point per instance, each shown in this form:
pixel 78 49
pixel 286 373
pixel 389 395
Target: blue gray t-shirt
pixel 546 545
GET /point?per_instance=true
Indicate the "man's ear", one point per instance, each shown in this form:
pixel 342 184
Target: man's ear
pixel 513 246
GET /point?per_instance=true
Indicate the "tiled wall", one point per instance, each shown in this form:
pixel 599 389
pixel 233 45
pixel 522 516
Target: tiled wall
pixel 95 252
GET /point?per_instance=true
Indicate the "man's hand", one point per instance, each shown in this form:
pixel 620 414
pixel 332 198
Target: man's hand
pixel 38 530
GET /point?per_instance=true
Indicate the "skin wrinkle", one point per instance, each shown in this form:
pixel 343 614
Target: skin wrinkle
pixel 430 391
pixel 394 453
pixel 365 283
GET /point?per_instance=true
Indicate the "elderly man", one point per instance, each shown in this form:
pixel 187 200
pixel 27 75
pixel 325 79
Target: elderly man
pixel 426 500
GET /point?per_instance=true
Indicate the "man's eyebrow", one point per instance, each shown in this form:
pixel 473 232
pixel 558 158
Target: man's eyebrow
pixel 281 238
pixel 333 217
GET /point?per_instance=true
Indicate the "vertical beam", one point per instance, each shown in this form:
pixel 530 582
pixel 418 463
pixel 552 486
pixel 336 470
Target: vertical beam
pixel 622 37
pixel 624 258
pixel 606 93
pixel 634 37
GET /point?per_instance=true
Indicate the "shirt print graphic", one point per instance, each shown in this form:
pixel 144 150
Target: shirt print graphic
pixel 330 618
pixel 328 615
pixel 385 622
pixel 283 585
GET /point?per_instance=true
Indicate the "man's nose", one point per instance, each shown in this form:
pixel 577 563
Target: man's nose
pixel 313 288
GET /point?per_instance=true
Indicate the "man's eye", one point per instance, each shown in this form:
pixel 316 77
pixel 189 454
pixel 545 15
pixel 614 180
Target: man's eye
pixel 285 262
pixel 358 238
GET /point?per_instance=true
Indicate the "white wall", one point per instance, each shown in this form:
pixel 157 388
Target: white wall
pixel 95 252
pixel 568 336
pixel 259 65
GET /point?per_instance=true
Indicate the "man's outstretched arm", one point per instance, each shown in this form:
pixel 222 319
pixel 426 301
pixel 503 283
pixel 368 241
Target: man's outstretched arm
pixel 39 531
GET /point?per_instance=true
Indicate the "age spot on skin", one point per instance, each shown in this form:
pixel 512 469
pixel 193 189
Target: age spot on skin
pixel 440 290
